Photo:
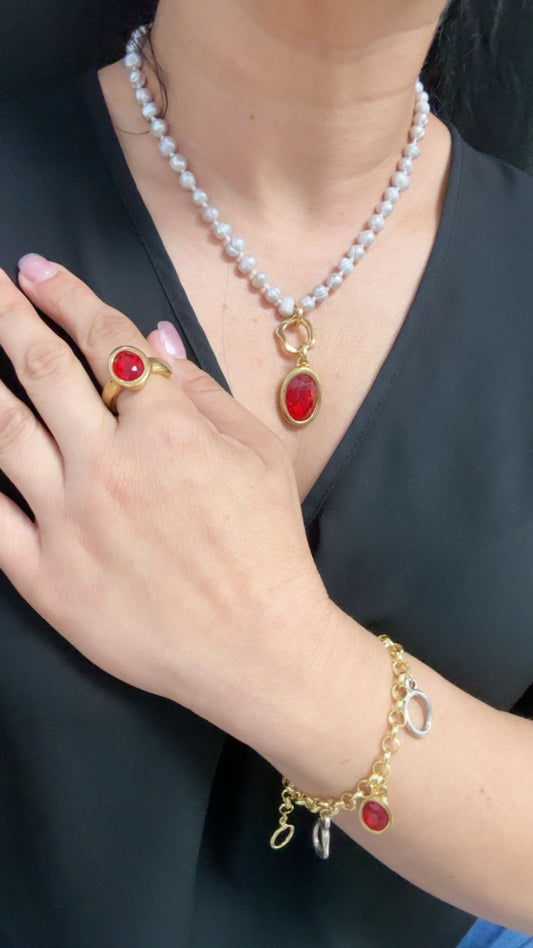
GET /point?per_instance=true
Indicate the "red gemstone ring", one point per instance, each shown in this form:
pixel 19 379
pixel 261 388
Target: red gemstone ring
pixel 129 368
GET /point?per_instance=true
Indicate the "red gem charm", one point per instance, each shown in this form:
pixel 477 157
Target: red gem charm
pixel 127 365
pixel 300 396
pixel 375 816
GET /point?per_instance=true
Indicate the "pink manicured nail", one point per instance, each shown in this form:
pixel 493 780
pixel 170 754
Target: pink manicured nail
pixel 171 340
pixel 36 268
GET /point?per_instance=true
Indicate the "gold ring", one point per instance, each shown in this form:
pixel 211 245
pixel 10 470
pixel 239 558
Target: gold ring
pixel 129 368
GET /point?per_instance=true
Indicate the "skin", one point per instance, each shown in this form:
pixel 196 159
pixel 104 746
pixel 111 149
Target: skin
pixel 263 670
pixel 245 122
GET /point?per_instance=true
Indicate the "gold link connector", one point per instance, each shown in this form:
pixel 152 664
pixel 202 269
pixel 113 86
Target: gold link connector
pixel 370 794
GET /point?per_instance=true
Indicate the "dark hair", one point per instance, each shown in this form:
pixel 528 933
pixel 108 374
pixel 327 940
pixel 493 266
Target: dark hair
pixel 480 74
pixel 479 69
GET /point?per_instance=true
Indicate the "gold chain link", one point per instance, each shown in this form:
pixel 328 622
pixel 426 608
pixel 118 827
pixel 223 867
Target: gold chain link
pixel 374 785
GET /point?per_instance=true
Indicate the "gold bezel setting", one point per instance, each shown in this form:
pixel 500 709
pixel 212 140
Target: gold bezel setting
pixel 133 383
pixel 299 370
pixel 115 384
pixel 384 806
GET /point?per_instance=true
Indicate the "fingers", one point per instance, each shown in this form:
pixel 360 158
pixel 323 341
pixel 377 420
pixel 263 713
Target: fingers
pixel 19 545
pixel 223 411
pixel 98 329
pixel 95 327
pixel 28 455
pixel 46 366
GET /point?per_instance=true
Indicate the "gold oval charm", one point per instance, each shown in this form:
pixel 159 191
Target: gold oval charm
pixel 300 395
pixel 278 840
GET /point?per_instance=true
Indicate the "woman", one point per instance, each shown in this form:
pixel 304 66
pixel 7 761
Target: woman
pixel 168 546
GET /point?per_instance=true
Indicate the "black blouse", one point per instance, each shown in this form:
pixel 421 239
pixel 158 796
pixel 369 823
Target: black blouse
pixel 126 821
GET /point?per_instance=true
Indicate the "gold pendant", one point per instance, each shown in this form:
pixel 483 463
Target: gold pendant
pixel 301 392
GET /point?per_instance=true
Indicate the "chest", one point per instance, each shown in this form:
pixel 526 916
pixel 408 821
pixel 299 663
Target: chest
pixel 355 329
pixel 297 242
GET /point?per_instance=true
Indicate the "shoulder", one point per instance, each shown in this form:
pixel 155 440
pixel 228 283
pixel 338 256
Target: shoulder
pixel 490 189
pixel 487 222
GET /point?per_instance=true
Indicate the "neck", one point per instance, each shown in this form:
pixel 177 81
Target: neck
pixel 307 101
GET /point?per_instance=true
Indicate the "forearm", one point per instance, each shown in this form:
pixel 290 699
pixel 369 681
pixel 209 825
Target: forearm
pixel 463 829
pixel 191 602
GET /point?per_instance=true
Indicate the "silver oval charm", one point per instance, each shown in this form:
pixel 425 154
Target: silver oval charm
pixel 417 695
pixel 322 837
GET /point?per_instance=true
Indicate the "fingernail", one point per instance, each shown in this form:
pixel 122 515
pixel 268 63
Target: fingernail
pixel 36 268
pixel 171 340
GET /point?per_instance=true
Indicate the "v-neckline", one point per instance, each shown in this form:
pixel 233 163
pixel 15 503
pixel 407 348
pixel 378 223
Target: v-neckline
pixel 193 335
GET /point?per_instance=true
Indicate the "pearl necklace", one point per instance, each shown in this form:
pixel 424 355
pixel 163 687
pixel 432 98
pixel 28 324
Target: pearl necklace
pixel 300 392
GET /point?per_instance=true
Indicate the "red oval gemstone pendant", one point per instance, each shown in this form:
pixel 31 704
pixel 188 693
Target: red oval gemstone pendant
pixel 375 815
pixel 127 365
pixel 300 396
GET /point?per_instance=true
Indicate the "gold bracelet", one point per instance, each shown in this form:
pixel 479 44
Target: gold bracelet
pixel 370 794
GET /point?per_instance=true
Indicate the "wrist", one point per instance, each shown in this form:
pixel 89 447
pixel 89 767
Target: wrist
pixel 278 711
pixel 369 797
pixel 339 677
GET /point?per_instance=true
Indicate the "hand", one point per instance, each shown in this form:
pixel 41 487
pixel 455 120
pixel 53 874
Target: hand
pixel 168 544
pixel 168 547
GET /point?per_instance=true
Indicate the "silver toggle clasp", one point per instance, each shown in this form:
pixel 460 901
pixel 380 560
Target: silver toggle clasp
pixel 322 837
pixel 414 694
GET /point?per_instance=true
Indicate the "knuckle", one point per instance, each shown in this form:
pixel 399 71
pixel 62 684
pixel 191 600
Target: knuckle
pixel 15 423
pixel 174 434
pixel 46 359
pixel 70 296
pixel 277 460
pixel 121 487
pixel 200 385
pixel 113 480
pixel 11 302
pixel 101 332
pixel 276 452
pixel 173 437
